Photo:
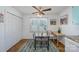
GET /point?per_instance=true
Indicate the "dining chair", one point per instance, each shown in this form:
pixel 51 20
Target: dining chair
pixel 45 40
pixel 37 39
pixel 42 38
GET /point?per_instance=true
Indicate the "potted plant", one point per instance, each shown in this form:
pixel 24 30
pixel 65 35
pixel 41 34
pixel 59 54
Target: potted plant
pixel 59 30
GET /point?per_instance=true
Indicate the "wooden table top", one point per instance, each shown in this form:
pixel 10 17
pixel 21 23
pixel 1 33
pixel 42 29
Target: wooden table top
pixel 57 34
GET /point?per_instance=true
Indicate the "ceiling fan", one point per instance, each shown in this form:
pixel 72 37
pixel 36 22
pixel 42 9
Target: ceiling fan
pixel 40 10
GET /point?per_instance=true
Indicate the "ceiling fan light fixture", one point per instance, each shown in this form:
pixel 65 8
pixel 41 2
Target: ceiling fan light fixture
pixel 39 15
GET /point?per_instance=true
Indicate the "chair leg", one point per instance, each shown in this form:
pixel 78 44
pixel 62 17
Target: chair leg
pixel 41 44
pixel 48 47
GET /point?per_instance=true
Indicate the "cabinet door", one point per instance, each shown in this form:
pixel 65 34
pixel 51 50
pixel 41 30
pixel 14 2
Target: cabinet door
pixel 2 37
pixel 67 45
pixel 74 48
pixel 70 46
pixel 67 49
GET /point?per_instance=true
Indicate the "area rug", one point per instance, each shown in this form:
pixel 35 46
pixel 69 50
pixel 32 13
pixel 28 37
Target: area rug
pixel 29 47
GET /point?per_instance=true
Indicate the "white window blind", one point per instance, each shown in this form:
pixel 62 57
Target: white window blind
pixel 39 24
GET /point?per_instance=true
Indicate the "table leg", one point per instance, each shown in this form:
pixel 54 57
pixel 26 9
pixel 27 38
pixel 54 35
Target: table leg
pixel 57 42
pixel 48 44
pixel 35 43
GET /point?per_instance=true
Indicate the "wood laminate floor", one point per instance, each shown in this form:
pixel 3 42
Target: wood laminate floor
pixel 60 46
pixel 17 46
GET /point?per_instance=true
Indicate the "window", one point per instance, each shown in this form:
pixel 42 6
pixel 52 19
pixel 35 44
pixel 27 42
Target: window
pixel 39 24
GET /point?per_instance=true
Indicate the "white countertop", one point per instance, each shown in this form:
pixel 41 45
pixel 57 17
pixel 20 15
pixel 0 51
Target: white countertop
pixel 74 38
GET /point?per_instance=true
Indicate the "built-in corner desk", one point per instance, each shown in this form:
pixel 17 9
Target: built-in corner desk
pixel 57 35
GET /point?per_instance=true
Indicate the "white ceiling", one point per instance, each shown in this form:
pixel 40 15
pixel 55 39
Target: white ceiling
pixel 29 9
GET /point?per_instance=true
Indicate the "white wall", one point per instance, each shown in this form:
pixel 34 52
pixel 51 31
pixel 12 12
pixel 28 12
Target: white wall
pixel 69 29
pixel 10 30
pixel 2 32
pixel 26 25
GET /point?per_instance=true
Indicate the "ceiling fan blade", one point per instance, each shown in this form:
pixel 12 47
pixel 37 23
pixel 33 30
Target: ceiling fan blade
pixel 34 12
pixel 40 12
pixel 35 8
pixel 49 9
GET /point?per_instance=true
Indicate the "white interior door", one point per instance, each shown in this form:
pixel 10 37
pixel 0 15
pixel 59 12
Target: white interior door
pixel 1 36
